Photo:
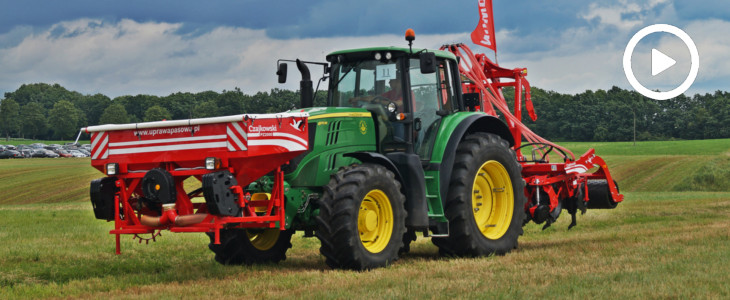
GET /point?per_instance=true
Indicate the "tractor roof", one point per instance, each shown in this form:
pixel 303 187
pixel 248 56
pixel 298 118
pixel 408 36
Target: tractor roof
pixel 439 53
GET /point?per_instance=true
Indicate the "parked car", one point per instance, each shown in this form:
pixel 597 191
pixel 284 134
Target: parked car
pixel 53 147
pixel 77 153
pixel 27 152
pixel 63 153
pixel 51 154
pixel 10 154
pixel 11 147
pixel 38 153
pixel 38 145
pixel 85 152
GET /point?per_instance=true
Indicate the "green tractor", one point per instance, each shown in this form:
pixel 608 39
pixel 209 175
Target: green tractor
pixel 397 151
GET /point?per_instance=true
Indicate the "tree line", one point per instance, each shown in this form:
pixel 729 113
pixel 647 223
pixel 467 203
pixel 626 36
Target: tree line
pixel 45 111
pixel 621 115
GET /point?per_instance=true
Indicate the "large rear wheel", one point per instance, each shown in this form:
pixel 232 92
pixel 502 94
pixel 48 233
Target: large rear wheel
pixel 251 246
pixel 485 202
pixel 361 220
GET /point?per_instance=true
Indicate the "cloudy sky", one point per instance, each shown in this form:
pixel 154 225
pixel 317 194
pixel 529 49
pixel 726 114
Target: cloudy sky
pixel 160 47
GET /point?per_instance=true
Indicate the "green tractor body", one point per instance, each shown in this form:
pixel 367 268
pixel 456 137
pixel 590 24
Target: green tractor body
pixel 389 141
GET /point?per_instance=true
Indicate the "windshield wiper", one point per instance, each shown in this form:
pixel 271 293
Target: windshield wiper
pixel 348 72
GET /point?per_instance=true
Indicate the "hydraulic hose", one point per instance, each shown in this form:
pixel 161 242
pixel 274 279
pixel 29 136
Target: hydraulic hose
pixel 170 216
pixel 475 70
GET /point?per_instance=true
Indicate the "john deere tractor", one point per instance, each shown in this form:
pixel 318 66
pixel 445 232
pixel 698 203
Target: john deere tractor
pixel 398 151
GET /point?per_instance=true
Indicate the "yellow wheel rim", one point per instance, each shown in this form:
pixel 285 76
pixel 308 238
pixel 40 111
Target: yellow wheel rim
pixel 375 221
pixel 264 239
pixel 492 200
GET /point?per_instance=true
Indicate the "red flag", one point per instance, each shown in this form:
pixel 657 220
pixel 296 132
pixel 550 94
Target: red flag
pixel 484 33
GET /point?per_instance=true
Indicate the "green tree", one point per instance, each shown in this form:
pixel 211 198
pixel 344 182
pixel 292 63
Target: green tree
pixel 63 119
pixel 137 105
pixel 93 106
pixel 45 94
pixel 114 114
pixel 9 117
pixel 180 105
pixel 34 119
pixel 205 109
pixel 156 113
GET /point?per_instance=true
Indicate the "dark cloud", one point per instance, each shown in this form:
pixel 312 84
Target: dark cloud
pixel 327 18
pixel 551 34
pixel 703 9
pixel 247 13
pixel 300 19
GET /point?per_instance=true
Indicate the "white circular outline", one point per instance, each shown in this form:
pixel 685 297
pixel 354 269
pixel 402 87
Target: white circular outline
pixel 693 53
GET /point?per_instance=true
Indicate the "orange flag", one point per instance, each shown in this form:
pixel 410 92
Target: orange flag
pixel 484 33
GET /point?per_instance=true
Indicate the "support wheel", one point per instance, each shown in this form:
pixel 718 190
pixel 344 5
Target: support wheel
pixel 361 219
pixel 251 246
pixel 486 198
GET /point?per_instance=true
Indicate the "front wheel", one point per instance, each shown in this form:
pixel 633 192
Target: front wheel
pixel 361 219
pixel 485 200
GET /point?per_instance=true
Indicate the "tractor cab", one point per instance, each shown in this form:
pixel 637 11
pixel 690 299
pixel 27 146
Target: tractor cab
pixel 407 91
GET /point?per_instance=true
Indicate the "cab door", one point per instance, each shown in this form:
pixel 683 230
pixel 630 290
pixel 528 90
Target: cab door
pixel 433 97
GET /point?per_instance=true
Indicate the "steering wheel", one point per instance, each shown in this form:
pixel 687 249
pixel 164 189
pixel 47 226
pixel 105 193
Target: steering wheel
pixel 380 100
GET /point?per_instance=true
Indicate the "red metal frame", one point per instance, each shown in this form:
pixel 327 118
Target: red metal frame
pixel 248 147
pixel 273 217
pixel 558 180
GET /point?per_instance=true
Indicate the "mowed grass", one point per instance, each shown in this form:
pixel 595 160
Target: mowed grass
pixel 656 245
pixel 659 243
pixel 693 147
pixel 45 180
pixel 699 165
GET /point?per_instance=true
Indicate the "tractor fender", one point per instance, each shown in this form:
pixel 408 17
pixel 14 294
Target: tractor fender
pixel 376 158
pixel 471 124
pixel 413 184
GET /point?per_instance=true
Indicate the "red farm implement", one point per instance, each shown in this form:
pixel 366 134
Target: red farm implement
pixel 547 184
pixel 148 164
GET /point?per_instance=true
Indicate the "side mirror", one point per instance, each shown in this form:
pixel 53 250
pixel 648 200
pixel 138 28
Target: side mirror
pixel 281 71
pixel 428 62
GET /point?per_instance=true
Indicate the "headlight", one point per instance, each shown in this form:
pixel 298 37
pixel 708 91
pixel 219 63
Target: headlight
pixel 392 107
pixel 212 163
pixel 112 169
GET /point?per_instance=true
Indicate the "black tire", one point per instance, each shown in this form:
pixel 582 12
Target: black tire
pixel 599 195
pixel 465 238
pixel 349 193
pixel 244 247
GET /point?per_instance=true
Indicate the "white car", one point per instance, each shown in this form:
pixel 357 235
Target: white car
pixel 76 153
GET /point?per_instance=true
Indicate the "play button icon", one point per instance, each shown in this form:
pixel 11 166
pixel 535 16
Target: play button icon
pixel 660 62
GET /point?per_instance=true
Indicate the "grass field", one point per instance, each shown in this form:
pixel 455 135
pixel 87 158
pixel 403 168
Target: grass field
pixel 662 242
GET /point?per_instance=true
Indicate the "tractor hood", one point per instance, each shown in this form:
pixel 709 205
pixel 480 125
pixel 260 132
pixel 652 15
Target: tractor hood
pixel 334 112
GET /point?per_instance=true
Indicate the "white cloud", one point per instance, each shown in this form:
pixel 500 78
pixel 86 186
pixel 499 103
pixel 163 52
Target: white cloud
pixel 618 15
pixel 128 57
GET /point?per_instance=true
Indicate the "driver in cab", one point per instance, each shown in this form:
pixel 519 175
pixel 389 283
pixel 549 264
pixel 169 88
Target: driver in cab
pixel 395 95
